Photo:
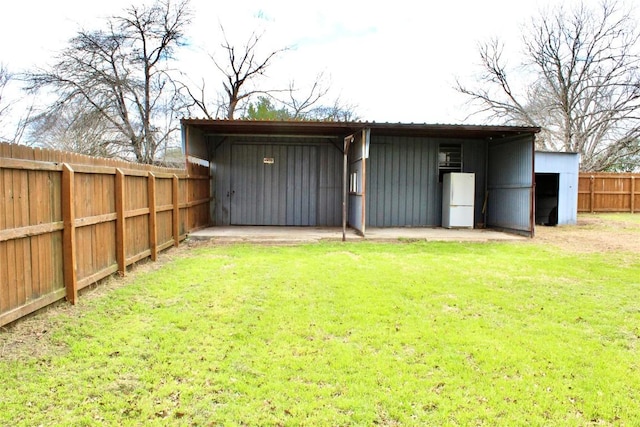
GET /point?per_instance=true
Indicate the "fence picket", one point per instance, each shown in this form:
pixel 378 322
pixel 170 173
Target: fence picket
pixel 153 226
pixel 69 233
pixel 121 253
pixel 175 226
pixel 633 194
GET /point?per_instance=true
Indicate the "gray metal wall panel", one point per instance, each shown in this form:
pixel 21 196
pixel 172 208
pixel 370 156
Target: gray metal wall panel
pixel 303 186
pixel 567 165
pixel 221 168
pixel 354 217
pixel 355 210
pixel 506 208
pixel 402 182
pixel 357 165
pixel 196 144
pixel 330 187
pixel 474 155
pixel 259 189
pixel 510 183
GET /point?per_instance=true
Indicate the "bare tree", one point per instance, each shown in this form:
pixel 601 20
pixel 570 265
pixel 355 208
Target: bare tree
pixel 337 111
pixel 121 73
pixel 12 123
pixel 5 78
pixel 76 127
pixel 310 104
pixel 302 104
pixel 241 70
pixel 585 91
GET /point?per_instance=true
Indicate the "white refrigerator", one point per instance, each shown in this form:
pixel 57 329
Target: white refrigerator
pixel 458 194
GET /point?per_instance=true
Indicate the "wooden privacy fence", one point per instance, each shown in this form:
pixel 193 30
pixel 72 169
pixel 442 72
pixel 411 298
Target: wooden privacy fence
pixel 67 221
pixel 608 192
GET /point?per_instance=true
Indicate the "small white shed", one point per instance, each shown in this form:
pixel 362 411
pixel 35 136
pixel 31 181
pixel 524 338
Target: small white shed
pixel 556 187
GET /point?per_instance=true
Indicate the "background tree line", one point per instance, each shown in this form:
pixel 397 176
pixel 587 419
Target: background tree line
pixel 118 91
pixel 579 80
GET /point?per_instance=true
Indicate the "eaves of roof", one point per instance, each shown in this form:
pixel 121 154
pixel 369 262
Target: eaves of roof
pixel 342 129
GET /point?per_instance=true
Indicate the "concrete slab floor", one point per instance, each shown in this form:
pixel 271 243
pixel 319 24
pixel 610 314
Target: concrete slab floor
pixel 275 235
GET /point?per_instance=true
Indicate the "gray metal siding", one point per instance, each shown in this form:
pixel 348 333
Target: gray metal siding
pixel 196 143
pixel 510 184
pixel 355 198
pixel 261 194
pixel 474 160
pixel 301 188
pixel 330 186
pixel 221 169
pixel 357 167
pixel 402 182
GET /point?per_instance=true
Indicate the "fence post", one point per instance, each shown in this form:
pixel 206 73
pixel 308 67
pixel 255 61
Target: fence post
pixel 69 234
pixel 189 209
pixel 175 223
pixel 153 230
pixel 120 223
pixel 633 193
pixel 592 195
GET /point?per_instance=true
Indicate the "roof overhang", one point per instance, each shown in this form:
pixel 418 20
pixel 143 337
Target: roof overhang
pixel 341 129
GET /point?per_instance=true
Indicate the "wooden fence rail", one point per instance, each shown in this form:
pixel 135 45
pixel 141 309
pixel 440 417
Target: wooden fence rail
pixel 608 192
pixel 67 221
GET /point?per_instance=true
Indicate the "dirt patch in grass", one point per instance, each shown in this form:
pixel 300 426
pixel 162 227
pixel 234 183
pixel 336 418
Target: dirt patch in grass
pixel 594 233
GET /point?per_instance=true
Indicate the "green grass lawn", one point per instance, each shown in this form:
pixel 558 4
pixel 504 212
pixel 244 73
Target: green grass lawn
pixel 346 334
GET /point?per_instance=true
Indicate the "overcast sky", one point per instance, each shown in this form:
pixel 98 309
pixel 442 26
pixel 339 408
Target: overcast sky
pixel 396 60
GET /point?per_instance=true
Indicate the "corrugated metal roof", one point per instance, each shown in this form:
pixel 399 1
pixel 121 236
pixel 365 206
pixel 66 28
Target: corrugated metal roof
pixel 334 129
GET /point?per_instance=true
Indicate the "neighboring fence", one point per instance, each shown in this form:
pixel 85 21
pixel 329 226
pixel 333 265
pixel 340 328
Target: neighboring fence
pixel 609 192
pixel 67 221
